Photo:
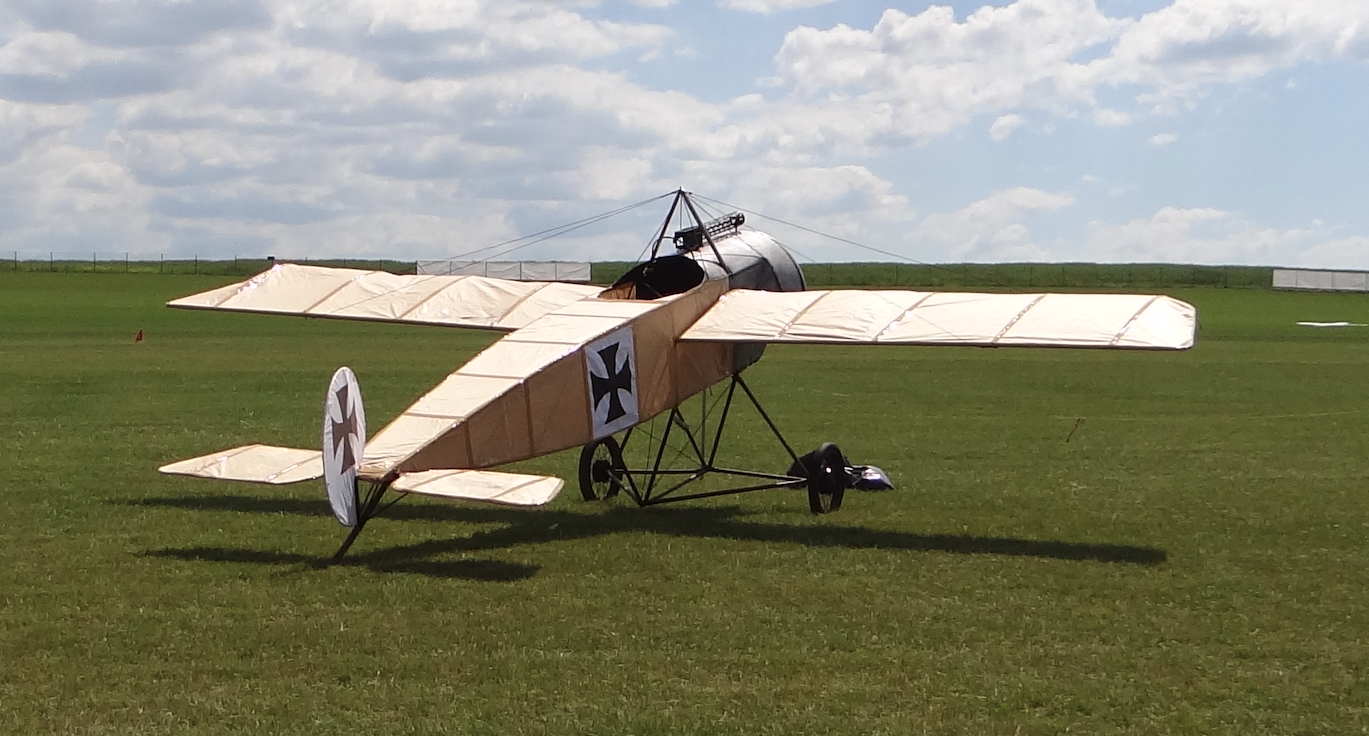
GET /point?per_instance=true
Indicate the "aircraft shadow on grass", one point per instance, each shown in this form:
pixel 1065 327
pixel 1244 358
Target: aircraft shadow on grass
pixel 521 527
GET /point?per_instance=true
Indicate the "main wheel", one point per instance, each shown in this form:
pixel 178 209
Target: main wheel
pixel 827 481
pixel 601 469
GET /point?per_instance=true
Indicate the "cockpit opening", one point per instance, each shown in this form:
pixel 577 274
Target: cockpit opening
pixel 664 276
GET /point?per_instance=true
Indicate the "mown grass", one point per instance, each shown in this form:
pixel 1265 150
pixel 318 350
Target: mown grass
pixel 1099 542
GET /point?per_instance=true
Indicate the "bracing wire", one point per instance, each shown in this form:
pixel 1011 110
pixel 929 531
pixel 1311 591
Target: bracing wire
pixel 553 232
pixel 515 244
pixel 837 238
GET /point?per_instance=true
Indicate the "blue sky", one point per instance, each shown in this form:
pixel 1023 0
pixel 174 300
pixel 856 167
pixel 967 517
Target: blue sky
pixel 1192 131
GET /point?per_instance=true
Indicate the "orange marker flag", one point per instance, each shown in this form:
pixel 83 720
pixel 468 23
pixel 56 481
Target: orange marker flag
pixel 138 337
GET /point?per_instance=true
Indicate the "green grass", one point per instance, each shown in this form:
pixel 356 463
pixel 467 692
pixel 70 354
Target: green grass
pixel 1191 560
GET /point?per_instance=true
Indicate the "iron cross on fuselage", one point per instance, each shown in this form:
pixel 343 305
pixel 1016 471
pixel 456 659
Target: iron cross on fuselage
pixel 618 379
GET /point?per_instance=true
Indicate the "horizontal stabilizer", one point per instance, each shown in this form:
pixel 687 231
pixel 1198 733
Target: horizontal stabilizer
pixel 482 485
pixel 253 464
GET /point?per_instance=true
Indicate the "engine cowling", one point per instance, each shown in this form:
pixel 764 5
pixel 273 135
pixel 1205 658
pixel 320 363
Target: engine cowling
pixel 748 259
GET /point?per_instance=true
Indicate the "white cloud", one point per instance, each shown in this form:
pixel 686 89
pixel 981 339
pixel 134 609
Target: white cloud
pixel 24 126
pixel 1163 139
pixel 1109 118
pixel 930 73
pixel 916 77
pixel 51 54
pixel 1196 235
pixel 1004 126
pixel 1333 252
pixel 66 198
pixel 993 229
pixel 1179 50
pixel 359 127
pixel 770 6
pixel 422 114
pixel 142 23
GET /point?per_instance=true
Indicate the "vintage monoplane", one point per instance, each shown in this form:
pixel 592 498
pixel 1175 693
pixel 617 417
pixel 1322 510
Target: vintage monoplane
pixel 581 364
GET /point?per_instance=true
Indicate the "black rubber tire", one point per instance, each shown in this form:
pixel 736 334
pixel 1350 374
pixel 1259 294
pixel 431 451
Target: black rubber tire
pixel 827 482
pixel 601 469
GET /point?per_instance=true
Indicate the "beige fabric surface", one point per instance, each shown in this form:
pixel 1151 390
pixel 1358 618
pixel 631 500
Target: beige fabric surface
pixel 377 296
pixel 482 485
pixel 527 394
pixel 253 464
pixel 949 318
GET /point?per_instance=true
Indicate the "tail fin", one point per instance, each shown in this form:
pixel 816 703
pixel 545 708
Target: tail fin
pixel 344 442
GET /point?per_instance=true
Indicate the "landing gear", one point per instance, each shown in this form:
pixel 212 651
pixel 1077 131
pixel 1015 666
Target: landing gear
pixel 680 453
pixel 601 469
pixel 827 481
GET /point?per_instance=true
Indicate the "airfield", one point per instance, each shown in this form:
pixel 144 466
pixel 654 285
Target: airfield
pixel 1085 541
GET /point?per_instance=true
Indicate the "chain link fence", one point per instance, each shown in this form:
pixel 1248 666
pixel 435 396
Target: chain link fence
pixel 71 262
pixel 818 275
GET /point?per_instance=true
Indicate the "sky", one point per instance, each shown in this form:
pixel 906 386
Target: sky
pixel 1191 131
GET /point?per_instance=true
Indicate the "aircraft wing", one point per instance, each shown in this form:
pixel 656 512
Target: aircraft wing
pixel 852 316
pixel 283 465
pixel 379 296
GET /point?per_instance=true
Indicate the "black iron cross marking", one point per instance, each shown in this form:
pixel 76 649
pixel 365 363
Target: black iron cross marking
pixel 343 430
pixel 609 385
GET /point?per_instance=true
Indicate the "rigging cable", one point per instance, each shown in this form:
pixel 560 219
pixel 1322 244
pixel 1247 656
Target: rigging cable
pixel 964 275
pixel 552 232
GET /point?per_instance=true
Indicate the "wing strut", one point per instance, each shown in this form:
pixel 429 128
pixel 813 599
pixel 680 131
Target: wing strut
pixel 683 196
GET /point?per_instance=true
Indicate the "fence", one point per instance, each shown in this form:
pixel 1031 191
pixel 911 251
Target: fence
pixel 512 270
pixel 1134 276
pixel 1292 278
pixel 97 262
pixel 58 261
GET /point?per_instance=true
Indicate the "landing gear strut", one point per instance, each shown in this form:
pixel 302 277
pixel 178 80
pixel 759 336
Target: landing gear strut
pixel 670 473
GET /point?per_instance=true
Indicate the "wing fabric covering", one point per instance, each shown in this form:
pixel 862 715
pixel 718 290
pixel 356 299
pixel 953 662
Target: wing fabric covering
pixel 379 296
pixel 482 485
pixel 253 464
pixel 949 318
pixel 283 465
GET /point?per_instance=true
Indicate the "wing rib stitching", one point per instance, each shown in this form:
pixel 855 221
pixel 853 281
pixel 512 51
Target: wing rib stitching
pixel 1015 319
pixel 1122 332
pixel 790 324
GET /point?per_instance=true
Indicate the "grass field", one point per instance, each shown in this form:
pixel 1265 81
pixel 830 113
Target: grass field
pixel 1094 542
